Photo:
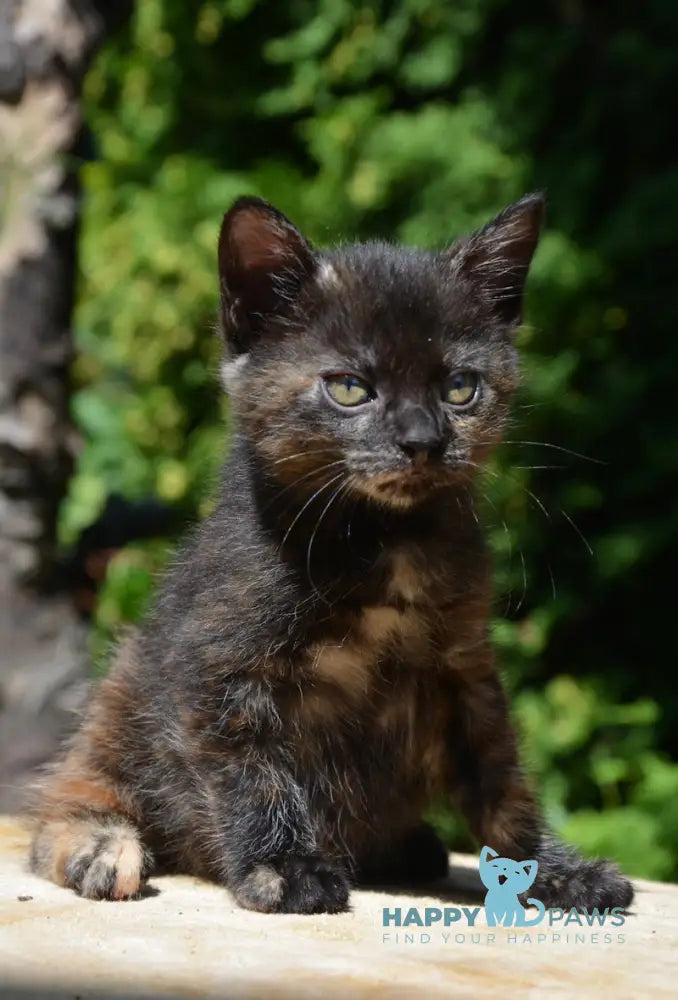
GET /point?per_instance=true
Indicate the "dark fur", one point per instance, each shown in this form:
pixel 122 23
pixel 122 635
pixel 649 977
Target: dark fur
pixel 317 667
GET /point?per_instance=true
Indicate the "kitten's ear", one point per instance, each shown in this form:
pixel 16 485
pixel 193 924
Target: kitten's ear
pixel 263 261
pixel 497 257
pixel 487 853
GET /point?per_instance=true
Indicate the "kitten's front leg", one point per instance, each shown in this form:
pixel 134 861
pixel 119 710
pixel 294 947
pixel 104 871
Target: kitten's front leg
pixel 269 853
pixel 492 791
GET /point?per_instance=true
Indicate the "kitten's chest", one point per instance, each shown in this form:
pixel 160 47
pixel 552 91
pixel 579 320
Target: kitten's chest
pixel 382 665
pixel 375 704
pixel 392 627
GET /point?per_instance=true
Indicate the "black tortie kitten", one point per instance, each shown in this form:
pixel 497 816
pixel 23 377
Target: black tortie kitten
pixel 317 666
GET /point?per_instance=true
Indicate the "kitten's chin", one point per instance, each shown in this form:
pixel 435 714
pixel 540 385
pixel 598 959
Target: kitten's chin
pixel 404 490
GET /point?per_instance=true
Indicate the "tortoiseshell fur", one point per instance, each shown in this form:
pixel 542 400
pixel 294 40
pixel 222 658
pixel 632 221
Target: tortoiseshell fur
pixel 317 666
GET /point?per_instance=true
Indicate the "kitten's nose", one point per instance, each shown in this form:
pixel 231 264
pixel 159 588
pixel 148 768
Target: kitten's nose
pixel 421 447
pixel 419 433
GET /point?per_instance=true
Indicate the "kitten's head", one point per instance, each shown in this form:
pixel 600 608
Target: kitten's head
pixel 383 370
pixel 494 871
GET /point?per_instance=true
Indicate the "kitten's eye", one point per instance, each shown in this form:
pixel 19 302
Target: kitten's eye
pixel 348 390
pixel 461 389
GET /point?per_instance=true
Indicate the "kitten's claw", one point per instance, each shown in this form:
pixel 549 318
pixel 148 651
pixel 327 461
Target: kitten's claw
pixel 294 884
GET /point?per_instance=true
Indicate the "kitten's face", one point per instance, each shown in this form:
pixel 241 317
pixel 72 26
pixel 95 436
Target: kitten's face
pixel 374 370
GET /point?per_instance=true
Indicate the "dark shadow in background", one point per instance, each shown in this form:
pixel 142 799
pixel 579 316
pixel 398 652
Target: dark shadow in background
pixel 461 885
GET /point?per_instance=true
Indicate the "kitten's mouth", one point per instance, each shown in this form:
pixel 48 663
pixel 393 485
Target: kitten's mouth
pixel 406 487
pixel 501 879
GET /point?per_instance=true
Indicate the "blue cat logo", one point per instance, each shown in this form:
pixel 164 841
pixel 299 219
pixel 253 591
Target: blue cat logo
pixel 504 880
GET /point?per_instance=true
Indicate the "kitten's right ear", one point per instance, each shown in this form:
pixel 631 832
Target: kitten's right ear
pixel 497 257
pixel 263 261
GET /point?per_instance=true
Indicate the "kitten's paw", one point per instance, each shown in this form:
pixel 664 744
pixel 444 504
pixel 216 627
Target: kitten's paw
pixel 98 859
pixel 295 884
pixel 110 867
pixel 583 885
pixel 419 857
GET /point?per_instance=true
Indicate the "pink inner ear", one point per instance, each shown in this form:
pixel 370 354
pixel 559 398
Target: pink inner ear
pixel 263 261
pixel 258 241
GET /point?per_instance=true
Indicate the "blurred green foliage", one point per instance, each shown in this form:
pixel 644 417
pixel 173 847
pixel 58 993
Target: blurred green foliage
pixel 416 120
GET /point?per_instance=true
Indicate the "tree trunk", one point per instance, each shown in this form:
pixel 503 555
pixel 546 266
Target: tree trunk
pixel 45 46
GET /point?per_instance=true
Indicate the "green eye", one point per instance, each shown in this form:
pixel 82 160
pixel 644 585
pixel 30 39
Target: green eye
pixel 461 388
pixel 348 390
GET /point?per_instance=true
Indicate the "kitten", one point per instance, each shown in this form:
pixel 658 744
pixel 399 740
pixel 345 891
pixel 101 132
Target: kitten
pixel 317 667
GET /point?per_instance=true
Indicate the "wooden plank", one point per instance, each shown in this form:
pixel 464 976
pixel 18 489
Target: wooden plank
pixel 189 940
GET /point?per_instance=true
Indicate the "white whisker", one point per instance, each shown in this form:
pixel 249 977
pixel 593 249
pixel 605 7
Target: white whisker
pixel 557 447
pixel 577 529
pixel 327 506
pixel 308 502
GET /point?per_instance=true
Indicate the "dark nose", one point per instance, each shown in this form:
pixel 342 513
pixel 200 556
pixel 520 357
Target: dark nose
pixel 421 447
pixel 419 434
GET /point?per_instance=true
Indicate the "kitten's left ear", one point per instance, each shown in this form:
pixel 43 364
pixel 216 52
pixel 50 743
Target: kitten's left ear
pixel 497 257
pixel 263 261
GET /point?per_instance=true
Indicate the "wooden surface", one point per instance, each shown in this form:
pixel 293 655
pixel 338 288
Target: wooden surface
pixel 188 940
